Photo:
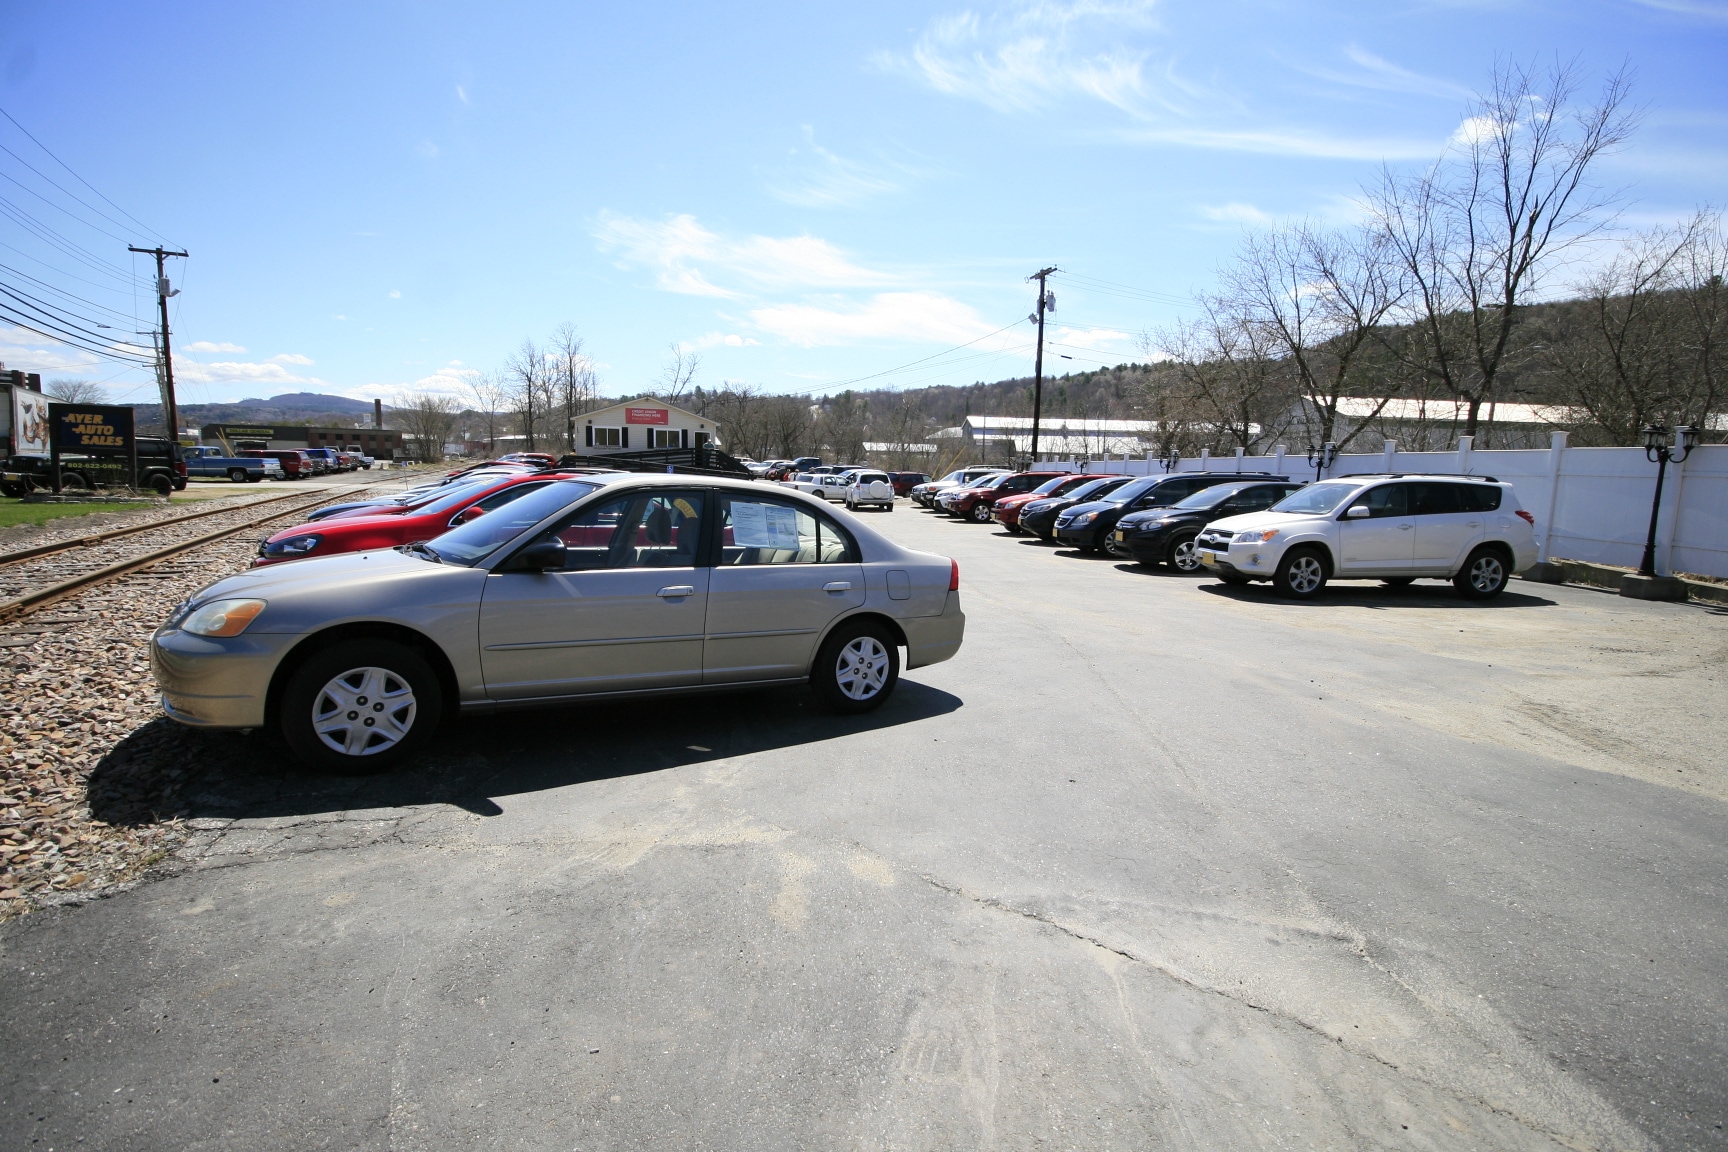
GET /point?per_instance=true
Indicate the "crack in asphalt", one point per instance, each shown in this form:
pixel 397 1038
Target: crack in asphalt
pixel 1190 981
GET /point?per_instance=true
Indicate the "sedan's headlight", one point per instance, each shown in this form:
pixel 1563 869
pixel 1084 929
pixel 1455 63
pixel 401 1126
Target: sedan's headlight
pixel 222 617
pixel 1257 536
pixel 293 546
pixel 1083 519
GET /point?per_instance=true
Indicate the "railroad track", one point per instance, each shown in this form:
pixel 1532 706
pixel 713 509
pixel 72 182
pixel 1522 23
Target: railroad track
pixel 33 578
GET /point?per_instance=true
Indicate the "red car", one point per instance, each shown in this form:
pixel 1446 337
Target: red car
pixel 1007 510
pixel 362 533
pixel 295 464
pixel 976 503
pixel 904 482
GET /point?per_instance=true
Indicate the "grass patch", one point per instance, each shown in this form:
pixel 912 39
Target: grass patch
pixel 15 512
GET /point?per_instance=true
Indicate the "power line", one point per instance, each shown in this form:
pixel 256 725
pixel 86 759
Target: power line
pixel 151 231
pixel 58 208
pixel 903 367
pixel 47 287
pixel 1127 291
pixel 55 240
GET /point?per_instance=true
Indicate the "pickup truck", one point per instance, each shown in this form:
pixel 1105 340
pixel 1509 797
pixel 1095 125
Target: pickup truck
pixel 209 462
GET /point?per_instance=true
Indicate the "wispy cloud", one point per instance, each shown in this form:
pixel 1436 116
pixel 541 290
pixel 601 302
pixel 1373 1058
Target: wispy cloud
pixel 818 178
pixel 1378 73
pixel 726 340
pixel 897 316
pixel 1038 54
pixel 1715 10
pixel 687 258
pixel 1235 213
pixel 277 369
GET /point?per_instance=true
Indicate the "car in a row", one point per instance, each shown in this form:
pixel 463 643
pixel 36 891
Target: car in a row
pixel 1254 526
pixel 575 588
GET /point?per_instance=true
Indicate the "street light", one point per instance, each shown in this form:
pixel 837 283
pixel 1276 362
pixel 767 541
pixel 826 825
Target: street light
pixel 1172 460
pixel 1322 457
pixel 1659 453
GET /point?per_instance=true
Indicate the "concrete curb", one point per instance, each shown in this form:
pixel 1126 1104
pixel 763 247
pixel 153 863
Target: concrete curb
pixel 1609 576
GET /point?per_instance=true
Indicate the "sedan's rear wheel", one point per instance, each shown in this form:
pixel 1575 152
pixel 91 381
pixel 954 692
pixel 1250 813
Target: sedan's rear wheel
pixel 360 707
pixel 1301 573
pixel 856 668
pixel 1483 575
pixel 1183 555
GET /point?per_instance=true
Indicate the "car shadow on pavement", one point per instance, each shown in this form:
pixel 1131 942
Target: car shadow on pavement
pixel 162 771
pixel 1431 595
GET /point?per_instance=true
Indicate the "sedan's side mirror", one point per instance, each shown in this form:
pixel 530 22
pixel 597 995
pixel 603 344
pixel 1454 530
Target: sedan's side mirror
pixel 473 512
pixel 1358 512
pixel 540 556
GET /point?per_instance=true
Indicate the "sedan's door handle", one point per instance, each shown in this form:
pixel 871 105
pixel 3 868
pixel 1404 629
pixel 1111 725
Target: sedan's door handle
pixel 1472 523
pixel 1405 527
pixel 676 590
pixel 837 586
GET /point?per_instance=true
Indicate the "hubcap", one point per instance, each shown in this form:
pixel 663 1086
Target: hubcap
pixel 363 711
pixel 863 668
pixel 1485 574
pixel 1305 574
pixel 1186 556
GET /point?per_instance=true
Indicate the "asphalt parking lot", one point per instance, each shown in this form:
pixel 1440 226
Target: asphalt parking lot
pixel 1150 863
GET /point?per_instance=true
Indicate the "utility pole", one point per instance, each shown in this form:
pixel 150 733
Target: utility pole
pixel 170 409
pixel 1046 303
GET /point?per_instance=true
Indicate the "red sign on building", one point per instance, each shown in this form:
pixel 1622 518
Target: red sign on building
pixel 646 415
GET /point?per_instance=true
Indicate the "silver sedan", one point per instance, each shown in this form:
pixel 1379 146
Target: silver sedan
pixel 607 586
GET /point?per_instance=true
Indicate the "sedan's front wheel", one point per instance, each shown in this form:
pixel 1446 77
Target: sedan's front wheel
pixel 856 668
pixel 360 707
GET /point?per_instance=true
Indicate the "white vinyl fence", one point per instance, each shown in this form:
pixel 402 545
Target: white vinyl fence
pixel 1589 503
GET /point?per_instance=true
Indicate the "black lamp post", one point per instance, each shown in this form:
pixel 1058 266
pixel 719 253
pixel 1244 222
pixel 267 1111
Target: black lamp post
pixel 1322 457
pixel 1172 460
pixel 1659 453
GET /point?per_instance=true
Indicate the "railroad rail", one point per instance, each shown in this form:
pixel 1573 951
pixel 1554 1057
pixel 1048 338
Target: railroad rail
pixel 94 538
pixel 46 594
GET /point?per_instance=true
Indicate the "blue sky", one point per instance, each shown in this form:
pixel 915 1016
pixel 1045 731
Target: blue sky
pixel 386 196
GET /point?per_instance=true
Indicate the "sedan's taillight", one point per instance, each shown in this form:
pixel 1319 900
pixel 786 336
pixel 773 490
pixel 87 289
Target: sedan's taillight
pixel 953 575
pixel 1526 517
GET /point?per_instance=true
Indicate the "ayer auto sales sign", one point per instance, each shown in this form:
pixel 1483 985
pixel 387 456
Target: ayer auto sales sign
pixel 646 416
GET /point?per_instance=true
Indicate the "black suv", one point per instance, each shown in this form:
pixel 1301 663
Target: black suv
pixel 1089 526
pixel 1166 535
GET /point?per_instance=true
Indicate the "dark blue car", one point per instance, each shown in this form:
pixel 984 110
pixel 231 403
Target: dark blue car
pixel 1088 526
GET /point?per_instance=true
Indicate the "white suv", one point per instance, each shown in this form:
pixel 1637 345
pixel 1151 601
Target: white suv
pixel 869 489
pixel 1466 529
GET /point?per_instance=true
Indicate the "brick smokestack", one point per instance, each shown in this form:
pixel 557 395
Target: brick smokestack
pixel 377 413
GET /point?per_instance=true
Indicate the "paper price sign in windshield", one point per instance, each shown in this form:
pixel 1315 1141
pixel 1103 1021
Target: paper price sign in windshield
pixel 764 526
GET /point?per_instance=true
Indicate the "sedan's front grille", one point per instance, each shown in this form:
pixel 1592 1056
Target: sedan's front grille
pixel 1216 543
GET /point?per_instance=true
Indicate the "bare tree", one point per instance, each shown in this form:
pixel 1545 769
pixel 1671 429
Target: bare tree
pixel 573 378
pixel 1315 298
pixel 1652 322
pixel 680 371
pixel 490 393
pixel 1225 376
pixel 71 391
pixel 529 372
pixel 1476 232
pixel 427 420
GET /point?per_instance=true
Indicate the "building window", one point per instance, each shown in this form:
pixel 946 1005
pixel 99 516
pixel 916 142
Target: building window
pixel 664 438
pixel 608 437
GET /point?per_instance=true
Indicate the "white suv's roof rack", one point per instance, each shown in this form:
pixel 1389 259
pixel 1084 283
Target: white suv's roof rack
pixel 1416 476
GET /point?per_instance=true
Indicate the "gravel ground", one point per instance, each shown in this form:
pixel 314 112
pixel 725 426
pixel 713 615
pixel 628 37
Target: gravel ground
pixel 91 776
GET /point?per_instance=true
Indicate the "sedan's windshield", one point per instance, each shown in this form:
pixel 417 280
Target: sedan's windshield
pixel 1050 486
pixel 1092 488
pixel 450 499
pixel 478 539
pixel 1316 499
